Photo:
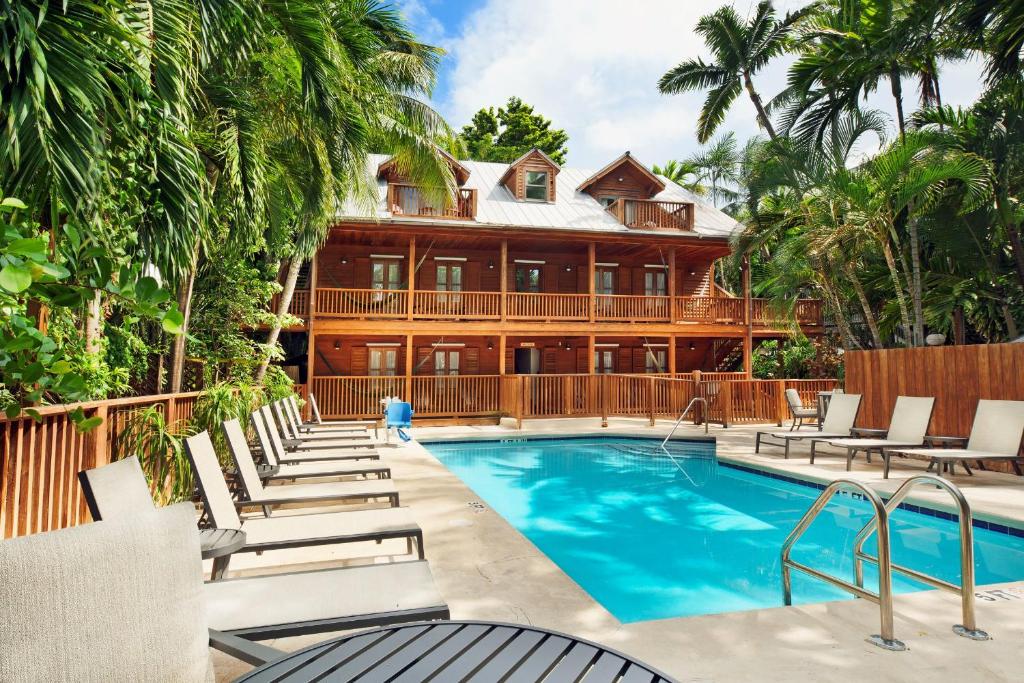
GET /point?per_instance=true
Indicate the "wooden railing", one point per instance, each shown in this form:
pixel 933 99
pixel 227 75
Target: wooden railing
pixel 434 305
pixel 40 461
pixel 758 400
pixel 632 308
pixel 299 305
pixel 539 306
pixel 462 395
pixel 355 397
pixel 457 305
pixel 408 200
pixel 649 214
pixel 362 303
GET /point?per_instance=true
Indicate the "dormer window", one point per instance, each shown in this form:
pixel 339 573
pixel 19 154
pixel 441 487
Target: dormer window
pixel 537 185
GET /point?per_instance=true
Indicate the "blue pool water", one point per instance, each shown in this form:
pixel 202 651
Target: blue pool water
pixel 650 540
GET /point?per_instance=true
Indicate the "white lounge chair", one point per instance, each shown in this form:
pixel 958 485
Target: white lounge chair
pixel 907 429
pixel 995 435
pixel 798 411
pixel 838 423
pixel 355 426
pixel 274 450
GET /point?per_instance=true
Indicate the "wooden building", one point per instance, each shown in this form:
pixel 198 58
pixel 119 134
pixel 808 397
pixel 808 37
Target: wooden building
pixel 531 268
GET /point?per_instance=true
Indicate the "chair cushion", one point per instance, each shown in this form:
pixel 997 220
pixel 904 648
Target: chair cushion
pixel 117 600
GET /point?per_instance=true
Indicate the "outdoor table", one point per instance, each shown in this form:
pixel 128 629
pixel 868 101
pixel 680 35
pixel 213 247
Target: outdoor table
pixel 456 651
pixel 218 544
pixel 824 398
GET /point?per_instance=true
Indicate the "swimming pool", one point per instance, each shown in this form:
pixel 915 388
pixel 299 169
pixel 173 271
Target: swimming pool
pixel 650 540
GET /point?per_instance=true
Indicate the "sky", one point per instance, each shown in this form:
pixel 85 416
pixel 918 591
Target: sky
pixel 592 66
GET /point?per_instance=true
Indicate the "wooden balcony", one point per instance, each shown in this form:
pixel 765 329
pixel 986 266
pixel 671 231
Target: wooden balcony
pixel 408 200
pixel 434 305
pixel 539 306
pixel 299 306
pixel 649 214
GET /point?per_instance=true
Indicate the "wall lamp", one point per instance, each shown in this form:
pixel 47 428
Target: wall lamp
pixel 337 344
pixel 693 347
pixel 490 345
pixel 568 268
pixel 490 265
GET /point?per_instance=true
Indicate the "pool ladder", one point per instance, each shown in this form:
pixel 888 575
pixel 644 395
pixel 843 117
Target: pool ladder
pixel 880 523
pixel 693 401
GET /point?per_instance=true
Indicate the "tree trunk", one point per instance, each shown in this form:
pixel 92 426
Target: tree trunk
pixel 185 306
pixel 762 115
pixel 845 333
pixel 869 315
pixel 901 299
pixel 283 304
pixel 916 292
pixel 94 322
pixel 897 94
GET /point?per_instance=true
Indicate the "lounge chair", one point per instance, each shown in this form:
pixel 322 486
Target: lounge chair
pixel 995 435
pixel 252 608
pixel 907 429
pixel 117 600
pixel 239 447
pixel 204 462
pixel 278 422
pixel 798 412
pixel 838 423
pixel 292 411
pixel 119 490
pixel 319 421
pixel 274 450
pixel 290 428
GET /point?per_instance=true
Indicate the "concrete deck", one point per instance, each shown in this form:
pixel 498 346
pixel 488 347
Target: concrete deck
pixel 485 569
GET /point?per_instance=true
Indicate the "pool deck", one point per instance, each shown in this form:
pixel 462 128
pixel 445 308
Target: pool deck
pixel 485 569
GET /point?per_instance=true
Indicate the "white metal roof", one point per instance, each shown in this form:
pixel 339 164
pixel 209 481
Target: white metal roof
pixel 570 210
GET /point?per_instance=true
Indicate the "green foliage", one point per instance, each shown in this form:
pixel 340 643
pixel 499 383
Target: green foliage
pixel 160 448
pixel 224 401
pixel 277 384
pixel 800 358
pixel 512 132
pixel 34 367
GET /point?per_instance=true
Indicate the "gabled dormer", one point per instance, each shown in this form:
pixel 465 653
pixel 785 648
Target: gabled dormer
pixel 531 177
pixel 406 199
pixel 627 189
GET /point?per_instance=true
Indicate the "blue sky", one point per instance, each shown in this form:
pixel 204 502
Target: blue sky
pixel 592 67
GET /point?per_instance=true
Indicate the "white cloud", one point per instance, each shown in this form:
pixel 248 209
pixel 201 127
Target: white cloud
pixel 592 67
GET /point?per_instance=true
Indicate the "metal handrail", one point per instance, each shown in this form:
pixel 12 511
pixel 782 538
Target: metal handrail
pixel 969 629
pixel 695 399
pixel 886 639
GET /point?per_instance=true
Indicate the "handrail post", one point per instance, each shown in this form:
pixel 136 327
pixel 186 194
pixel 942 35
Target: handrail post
pixel 725 391
pixel 780 401
pixel 650 400
pixel 604 399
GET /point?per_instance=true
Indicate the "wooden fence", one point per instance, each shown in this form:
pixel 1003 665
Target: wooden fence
pixel 40 461
pixel 957 376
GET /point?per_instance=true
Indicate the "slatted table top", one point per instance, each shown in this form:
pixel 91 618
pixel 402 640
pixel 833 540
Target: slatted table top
pixel 476 651
pixel 220 542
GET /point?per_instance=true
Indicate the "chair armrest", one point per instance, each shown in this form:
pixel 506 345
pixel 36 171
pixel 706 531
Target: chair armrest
pixel 245 650
pixel 864 431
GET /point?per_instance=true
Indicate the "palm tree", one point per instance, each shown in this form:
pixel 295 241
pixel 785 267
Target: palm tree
pixel 740 50
pixel 718 165
pixel 686 174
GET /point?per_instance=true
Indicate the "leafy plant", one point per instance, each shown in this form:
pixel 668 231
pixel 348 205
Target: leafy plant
pixel 224 401
pixel 161 451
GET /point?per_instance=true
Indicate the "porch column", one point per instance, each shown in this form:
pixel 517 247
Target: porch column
pixel 503 273
pixel 672 354
pixel 311 314
pixel 748 340
pixel 711 279
pixel 411 287
pixel 592 304
pixel 501 354
pixel 672 288
pixel 409 353
pixel 590 353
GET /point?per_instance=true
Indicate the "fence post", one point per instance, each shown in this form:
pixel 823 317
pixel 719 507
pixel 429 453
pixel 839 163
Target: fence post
pixel 567 397
pixel 698 390
pixel 101 453
pixel 604 399
pixel 780 401
pixel 650 400
pixel 171 410
pixel 525 410
pixel 725 391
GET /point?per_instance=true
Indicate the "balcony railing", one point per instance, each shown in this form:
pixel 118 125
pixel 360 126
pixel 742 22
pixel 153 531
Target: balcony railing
pixel 457 305
pixel 632 308
pixel 433 305
pixel 649 214
pixel 539 306
pixel 408 200
pixel 299 305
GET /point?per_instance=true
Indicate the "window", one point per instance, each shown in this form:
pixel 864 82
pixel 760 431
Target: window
pixel 655 282
pixel 655 360
pixel 446 362
pixel 607 201
pixel 604 280
pixel 604 361
pixel 537 185
pixel 449 279
pixel 527 278
pixel 387 275
pixel 382 362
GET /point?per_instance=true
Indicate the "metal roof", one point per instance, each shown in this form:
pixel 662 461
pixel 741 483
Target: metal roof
pixel 571 209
